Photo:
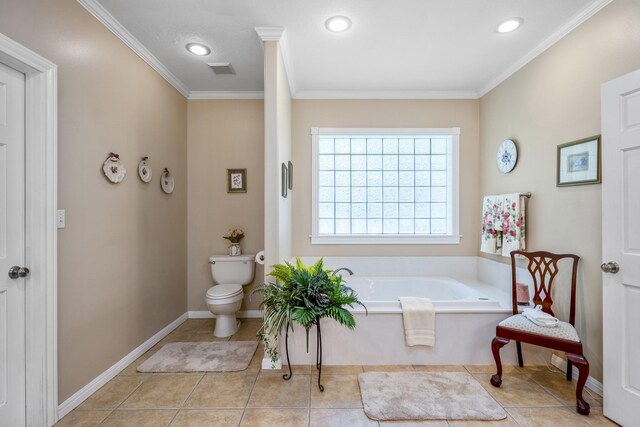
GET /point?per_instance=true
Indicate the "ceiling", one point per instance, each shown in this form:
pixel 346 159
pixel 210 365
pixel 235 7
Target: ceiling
pixel 399 48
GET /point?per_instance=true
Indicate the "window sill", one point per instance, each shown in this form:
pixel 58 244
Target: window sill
pixel 386 240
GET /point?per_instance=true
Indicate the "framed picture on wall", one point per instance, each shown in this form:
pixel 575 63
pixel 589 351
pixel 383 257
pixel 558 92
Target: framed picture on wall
pixel 236 180
pixel 578 162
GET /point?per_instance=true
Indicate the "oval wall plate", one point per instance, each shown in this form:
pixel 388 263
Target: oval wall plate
pixel 114 169
pixel 144 170
pixel 167 182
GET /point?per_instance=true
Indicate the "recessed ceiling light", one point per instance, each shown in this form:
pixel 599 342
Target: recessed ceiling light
pixel 338 24
pixel 510 25
pixel 198 49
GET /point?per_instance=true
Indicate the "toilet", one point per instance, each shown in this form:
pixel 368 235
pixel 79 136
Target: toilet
pixel 230 273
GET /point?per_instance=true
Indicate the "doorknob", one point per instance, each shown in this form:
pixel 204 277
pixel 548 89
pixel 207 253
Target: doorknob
pixel 16 272
pixel 610 267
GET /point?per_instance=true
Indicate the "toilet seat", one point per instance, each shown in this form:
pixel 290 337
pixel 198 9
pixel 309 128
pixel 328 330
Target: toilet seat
pixel 224 292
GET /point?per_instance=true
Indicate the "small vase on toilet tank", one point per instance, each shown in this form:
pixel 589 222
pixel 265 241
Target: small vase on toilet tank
pixel 235 249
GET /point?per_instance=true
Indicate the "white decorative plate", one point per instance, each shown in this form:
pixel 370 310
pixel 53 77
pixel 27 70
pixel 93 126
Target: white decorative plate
pixel 144 170
pixel 507 156
pixel 113 168
pixel 166 181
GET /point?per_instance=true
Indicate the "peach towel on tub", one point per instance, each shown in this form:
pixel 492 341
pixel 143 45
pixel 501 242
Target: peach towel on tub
pixel 419 319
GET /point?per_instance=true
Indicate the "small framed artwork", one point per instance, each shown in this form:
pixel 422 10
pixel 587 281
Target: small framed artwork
pixel 579 162
pixel 236 180
pixel 285 180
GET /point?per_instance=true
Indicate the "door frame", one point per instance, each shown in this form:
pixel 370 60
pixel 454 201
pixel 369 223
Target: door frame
pixel 41 120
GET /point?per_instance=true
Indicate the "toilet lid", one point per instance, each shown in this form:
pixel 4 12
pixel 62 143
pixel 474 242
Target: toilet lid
pixel 224 291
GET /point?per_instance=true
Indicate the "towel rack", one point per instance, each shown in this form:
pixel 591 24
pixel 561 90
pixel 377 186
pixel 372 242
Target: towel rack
pixel 527 194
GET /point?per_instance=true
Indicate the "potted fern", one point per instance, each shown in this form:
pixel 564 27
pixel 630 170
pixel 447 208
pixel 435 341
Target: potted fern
pixel 303 294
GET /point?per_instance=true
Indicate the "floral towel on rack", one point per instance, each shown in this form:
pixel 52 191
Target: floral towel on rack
pixel 503 224
pixel 513 218
pixel 491 210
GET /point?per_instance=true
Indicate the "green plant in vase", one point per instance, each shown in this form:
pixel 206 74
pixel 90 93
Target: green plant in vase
pixel 304 295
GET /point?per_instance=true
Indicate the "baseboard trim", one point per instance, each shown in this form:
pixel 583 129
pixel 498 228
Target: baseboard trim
pixel 592 384
pixel 246 314
pixel 81 395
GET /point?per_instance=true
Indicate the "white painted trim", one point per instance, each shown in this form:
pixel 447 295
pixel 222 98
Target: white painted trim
pixel 279 35
pixel 270 34
pixel 205 314
pixel 81 395
pixel 41 115
pixel 109 21
pixel 220 94
pixel 267 365
pixel 288 66
pixel 592 384
pixel 388 94
pixel 582 16
pixel 386 131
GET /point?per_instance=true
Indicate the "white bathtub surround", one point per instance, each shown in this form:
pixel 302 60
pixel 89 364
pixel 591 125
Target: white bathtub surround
pixel 419 319
pixel 471 295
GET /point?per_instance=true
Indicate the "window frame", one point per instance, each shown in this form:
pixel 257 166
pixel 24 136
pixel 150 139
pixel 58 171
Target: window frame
pixel 453 208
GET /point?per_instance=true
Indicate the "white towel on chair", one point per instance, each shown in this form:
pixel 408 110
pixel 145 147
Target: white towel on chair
pixel 539 317
pixel 419 318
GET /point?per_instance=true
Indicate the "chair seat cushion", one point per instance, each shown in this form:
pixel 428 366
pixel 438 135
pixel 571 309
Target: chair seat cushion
pixel 563 331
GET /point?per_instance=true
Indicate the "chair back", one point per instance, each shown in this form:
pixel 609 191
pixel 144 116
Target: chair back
pixel 543 267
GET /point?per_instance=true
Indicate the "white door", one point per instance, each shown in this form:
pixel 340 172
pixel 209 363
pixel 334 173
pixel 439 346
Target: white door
pixel 12 249
pixel 621 245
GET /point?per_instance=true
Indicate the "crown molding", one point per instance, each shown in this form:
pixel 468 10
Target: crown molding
pixel 386 94
pixel 102 15
pixel 555 37
pixel 202 94
pixel 270 34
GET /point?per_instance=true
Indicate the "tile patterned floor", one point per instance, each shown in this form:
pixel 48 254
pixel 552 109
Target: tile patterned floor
pixel 532 396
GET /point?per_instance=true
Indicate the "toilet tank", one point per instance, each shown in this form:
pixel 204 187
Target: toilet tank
pixel 226 269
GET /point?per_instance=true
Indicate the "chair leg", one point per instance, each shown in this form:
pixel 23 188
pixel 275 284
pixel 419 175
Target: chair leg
pixel 569 370
pixel 519 347
pixel 496 345
pixel 583 368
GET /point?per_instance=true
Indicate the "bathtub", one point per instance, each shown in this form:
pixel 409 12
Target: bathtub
pixel 380 293
pixel 468 308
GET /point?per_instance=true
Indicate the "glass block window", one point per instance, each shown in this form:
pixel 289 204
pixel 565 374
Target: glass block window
pixel 385 185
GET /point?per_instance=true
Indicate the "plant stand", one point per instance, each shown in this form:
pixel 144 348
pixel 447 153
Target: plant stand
pixel 288 376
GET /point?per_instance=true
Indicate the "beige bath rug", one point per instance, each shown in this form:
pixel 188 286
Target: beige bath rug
pixel 201 357
pixel 426 396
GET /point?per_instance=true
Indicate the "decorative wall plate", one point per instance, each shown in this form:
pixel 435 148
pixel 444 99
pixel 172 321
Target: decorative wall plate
pixel 113 168
pixel 507 156
pixel 166 181
pixel 144 170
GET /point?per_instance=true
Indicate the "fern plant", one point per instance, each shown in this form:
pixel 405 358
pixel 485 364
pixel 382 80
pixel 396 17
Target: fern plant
pixel 304 295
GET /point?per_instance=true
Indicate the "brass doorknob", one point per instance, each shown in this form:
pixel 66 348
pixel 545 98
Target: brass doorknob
pixel 610 267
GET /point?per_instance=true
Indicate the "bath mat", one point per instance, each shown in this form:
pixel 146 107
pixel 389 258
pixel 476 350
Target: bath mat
pixel 405 396
pixel 201 357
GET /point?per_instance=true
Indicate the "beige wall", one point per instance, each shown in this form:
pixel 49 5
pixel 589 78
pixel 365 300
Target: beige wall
pixel 223 134
pixel 380 114
pixel 122 255
pixel 552 100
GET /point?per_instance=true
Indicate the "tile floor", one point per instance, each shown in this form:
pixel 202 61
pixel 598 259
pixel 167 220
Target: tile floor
pixel 532 396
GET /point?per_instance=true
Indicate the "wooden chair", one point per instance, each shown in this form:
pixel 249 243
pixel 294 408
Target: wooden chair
pixel 543 267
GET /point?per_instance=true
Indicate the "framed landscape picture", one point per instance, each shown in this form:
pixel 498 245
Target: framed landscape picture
pixel 236 180
pixel 578 162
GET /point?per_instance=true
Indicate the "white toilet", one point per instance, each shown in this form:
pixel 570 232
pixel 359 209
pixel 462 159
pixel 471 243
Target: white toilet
pixel 230 273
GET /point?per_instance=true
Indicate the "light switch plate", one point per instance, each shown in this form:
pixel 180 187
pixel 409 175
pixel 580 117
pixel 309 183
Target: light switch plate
pixel 61 218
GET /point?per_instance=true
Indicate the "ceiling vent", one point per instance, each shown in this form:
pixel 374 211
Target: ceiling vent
pixel 221 68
